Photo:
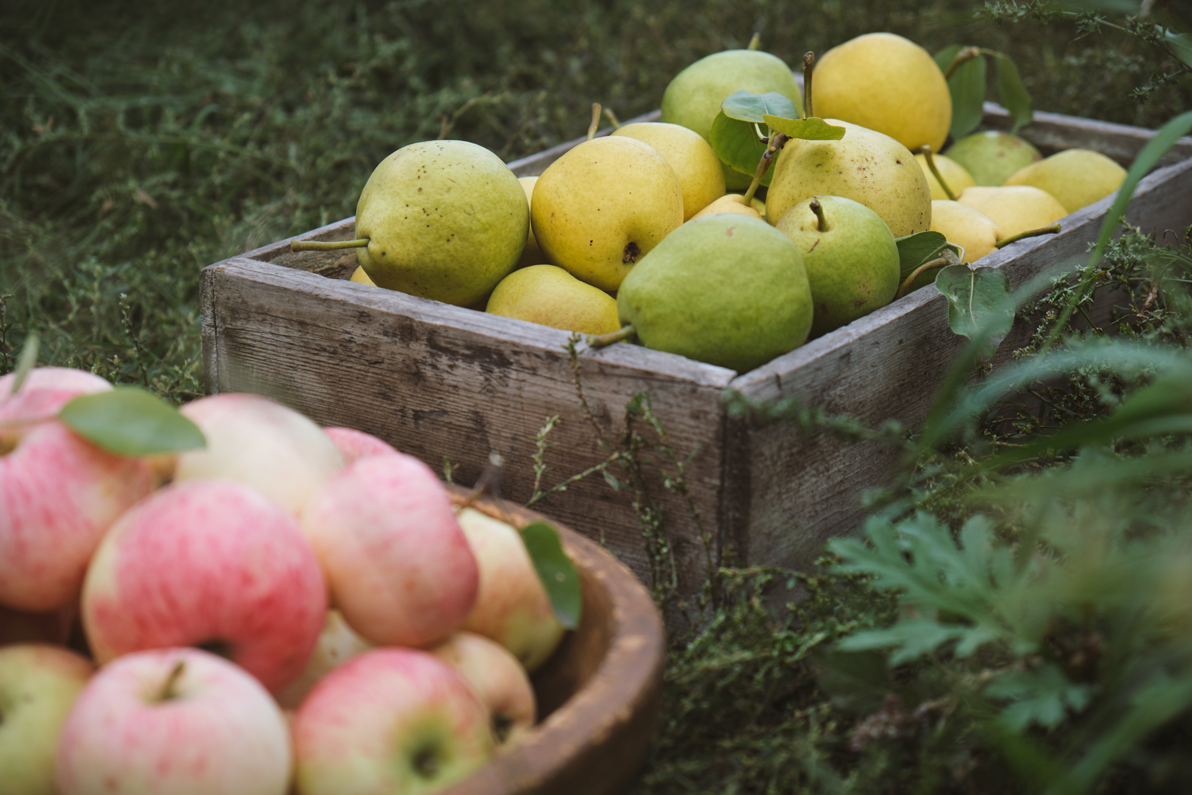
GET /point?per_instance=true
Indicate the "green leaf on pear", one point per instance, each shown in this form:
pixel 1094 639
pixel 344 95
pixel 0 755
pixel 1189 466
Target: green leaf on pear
pixel 943 58
pixel 1012 92
pixel 26 361
pixel 738 145
pixel 750 107
pixel 980 305
pixel 556 571
pixel 967 87
pixel 919 249
pixel 809 129
pixel 130 421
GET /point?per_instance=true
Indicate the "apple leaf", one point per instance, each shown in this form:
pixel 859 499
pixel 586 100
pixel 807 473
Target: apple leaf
pixel 1012 92
pixel 556 571
pixel 130 421
pixel 753 108
pixel 737 144
pixel 810 129
pixel 980 305
pixel 921 248
pixel 26 361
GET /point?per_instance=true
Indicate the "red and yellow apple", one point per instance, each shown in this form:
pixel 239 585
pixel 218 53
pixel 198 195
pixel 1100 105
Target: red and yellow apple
pixel 499 681
pixel 354 445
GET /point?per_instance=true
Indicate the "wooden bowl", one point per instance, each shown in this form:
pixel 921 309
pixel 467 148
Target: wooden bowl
pixel 599 694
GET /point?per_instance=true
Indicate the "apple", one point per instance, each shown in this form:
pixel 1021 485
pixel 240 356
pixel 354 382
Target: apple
pixel 337 644
pixel 51 626
pixel 178 721
pixel 398 565
pixel 58 495
pixel 207 563
pixel 261 443
pixel 389 720
pixel 44 391
pixel 499 681
pixel 512 607
pixel 354 445
pixel 38 686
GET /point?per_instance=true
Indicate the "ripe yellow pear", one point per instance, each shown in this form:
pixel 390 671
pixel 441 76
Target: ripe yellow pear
pixel 991 156
pixel 550 296
pixel 533 254
pixel 954 174
pixel 1014 208
pixel 692 158
pixel 1075 177
pixel 604 205
pixel 967 227
pixel 887 83
pixel 732 203
pixel 360 277
pixel 693 96
pixel 865 166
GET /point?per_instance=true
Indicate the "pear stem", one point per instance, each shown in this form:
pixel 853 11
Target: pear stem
pixel 808 68
pixel 948 257
pixel 168 689
pixel 926 150
pixel 595 120
pixel 612 117
pixel 602 340
pixel 821 222
pixel 324 245
pixel 755 42
pixel 773 146
pixel 967 54
pixel 1043 230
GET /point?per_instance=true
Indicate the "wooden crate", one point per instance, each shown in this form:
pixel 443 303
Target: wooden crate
pixel 451 384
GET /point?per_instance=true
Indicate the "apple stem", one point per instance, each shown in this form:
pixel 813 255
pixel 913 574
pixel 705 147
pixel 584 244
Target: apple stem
pixel 820 221
pixel 602 340
pixel 926 150
pixel 325 245
pixel 612 117
pixel 773 146
pixel 755 42
pixel 808 68
pixel 1043 230
pixel 966 54
pixel 167 690
pixel 948 257
pixel 595 120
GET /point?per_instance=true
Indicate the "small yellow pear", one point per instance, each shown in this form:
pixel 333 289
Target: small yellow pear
pixel 550 296
pixel 1015 208
pixel 730 203
pixel 692 158
pixel 887 83
pixel 966 226
pixel 1075 177
pixel 954 174
pixel 360 277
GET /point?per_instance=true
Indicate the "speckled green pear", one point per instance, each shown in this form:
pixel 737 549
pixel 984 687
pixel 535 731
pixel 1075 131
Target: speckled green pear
pixel 728 290
pixel 444 219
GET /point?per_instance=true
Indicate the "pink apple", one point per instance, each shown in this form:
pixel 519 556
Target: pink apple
pixel 389 720
pixel 38 686
pixel 178 721
pixel 398 565
pixel 337 644
pixel 209 563
pixel 354 445
pixel 43 393
pixel 499 681
pixel 52 626
pixel 512 607
pixel 261 443
pixel 58 495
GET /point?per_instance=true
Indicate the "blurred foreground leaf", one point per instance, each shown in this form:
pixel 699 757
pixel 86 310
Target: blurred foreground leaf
pixel 556 571
pixel 132 422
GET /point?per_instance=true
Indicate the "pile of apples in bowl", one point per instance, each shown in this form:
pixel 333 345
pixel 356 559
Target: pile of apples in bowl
pixel 228 598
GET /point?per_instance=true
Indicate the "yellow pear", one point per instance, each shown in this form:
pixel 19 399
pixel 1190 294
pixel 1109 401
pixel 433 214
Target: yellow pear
pixel 603 205
pixel 532 255
pixel 1075 177
pixel 360 277
pixel 887 83
pixel 550 296
pixel 865 166
pixel 967 227
pixel 732 203
pixel 1014 208
pixel 991 156
pixel 954 174
pixel 692 158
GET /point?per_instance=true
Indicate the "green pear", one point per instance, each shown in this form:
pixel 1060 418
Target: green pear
pixel 532 255
pixel 439 219
pixel 604 205
pixel 550 296
pixel 1075 177
pixel 692 158
pixel 865 166
pixel 693 96
pixel 991 156
pixel 728 290
pixel 1014 208
pixel 850 255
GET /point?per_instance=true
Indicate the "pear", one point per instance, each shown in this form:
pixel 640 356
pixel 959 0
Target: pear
pixel 728 290
pixel 692 158
pixel 955 176
pixel 361 277
pixel 967 227
pixel 693 96
pixel 866 166
pixel 532 255
pixel 1014 208
pixel 887 83
pixel 550 296
pixel 850 255
pixel 604 205
pixel 990 157
pixel 733 203
pixel 1075 177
